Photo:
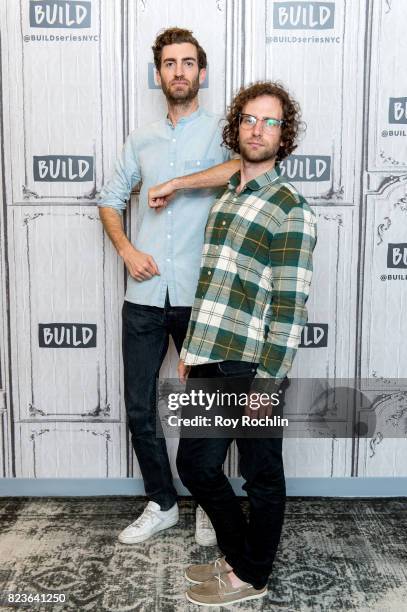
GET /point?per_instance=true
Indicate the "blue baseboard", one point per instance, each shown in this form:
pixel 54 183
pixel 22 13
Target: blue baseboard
pixel 304 487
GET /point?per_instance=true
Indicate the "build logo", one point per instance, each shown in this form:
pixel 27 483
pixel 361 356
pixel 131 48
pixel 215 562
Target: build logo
pixel 303 15
pixel 397 255
pixel 314 335
pixel 67 335
pixel 60 14
pixel 311 168
pixel 398 110
pixel 63 168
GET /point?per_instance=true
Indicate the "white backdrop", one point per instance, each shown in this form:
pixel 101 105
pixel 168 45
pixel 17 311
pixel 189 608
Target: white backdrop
pixel 77 77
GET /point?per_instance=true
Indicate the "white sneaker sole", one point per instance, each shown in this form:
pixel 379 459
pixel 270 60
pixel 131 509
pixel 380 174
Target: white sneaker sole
pixel 224 604
pixel 143 538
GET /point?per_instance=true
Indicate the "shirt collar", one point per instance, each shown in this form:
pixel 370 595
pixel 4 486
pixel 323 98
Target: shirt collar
pixel 257 183
pixel 187 118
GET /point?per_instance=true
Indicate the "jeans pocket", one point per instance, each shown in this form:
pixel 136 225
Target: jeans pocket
pixel 237 368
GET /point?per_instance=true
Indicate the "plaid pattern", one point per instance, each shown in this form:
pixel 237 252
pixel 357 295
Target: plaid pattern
pixel 255 277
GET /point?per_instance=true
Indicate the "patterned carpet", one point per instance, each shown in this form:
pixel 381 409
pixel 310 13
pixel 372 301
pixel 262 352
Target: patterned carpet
pixel 335 554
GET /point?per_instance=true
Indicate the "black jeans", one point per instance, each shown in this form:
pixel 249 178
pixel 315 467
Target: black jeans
pixel 249 547
pixel 146 332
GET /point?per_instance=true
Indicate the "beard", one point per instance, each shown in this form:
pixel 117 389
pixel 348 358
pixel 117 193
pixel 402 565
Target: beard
pixel 176 95
pixel 264 153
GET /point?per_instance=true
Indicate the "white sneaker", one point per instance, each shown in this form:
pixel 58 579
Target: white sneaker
pixel 204 532
pixel 150 522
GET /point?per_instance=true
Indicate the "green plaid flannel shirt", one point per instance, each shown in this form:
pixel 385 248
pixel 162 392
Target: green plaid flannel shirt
pixel 255 277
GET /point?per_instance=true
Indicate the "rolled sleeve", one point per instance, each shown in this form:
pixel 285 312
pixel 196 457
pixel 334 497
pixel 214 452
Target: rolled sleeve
pixel 116 192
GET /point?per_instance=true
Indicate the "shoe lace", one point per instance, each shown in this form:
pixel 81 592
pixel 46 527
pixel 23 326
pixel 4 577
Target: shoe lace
pixel 204 519
pixel 218 562
pixel 220 581
pixel 144 518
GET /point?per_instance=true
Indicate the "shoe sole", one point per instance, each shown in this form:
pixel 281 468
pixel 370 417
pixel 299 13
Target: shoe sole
pixel 192 581
pixel 147 537
pixel 205 543
pixel 224 603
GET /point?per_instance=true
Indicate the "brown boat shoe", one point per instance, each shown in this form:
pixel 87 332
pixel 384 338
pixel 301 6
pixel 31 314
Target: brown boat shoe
pixel 201 573
pixel 219 591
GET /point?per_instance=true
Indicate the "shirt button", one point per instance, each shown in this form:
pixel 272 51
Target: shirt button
pixel 223 222
pixel 198 163
pixel 216 247
pixel 168 260
pixel 171 163
pixel 168 235
pixel 169 212
pixel 174 140
pixel 234 199
pixel 209 272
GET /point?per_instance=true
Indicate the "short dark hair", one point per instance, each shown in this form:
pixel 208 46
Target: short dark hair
pixel 176 36
pixel 291 115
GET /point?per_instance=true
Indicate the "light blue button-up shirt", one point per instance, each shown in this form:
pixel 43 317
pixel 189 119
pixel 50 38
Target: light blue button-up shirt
pixel 173 236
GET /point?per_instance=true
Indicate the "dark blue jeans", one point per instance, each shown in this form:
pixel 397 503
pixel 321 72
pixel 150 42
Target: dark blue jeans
pixel 146 332
pixel 250 547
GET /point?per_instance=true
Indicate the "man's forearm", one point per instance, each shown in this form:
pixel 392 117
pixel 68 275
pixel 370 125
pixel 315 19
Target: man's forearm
pixel 112 222
pixel 217 176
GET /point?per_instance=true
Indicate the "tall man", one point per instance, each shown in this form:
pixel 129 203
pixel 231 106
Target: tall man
pixel 246 321
pixel 163 265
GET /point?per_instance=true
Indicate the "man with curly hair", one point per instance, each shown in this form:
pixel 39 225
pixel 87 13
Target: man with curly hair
pixel 246 324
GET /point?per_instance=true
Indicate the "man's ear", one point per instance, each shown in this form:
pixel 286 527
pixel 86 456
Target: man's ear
pixel 202 75
pixel 157 76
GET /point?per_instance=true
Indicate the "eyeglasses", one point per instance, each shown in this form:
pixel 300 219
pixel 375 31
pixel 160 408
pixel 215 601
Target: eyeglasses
pixel 247 122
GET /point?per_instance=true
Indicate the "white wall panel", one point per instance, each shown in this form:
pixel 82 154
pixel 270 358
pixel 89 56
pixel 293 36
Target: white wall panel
pixel 65 103
pixel 384 259
pixel 382 457
pixel 3 432
pixel 387 95
pixel 77 450
pixel 384 453
pixel 317 458
pixel 332 299
pixel 384 355
pixel 62 276
pixel 5 416
pixel 326 77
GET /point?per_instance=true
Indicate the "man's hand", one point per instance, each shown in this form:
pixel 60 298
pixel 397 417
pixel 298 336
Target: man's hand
pixel 265 407
pixel 183 371
pixel 217 176
pixel 160 195
pixel 139 265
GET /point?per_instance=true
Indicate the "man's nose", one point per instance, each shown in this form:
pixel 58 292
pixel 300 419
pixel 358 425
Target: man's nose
pixel 258 128
pixel 179 70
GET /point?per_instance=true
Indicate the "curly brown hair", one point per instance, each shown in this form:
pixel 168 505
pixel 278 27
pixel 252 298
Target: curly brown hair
pixel 292 125
pixel 172 36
